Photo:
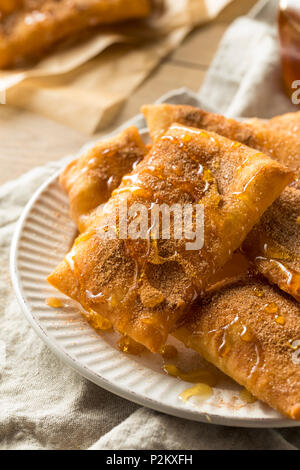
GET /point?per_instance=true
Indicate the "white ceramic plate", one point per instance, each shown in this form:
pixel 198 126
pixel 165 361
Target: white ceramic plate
pixel 43 236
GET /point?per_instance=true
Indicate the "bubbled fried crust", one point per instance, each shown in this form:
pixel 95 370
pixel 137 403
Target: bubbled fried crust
pixel 280 145
pixel 279 230
pixel 145 287
pixel 289 122
pixel 266 361
pixel 90 180
pixel 279 139
pixel 28 32
pixel 274 244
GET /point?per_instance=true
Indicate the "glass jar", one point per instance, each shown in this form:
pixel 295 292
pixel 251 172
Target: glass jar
pixel 289 34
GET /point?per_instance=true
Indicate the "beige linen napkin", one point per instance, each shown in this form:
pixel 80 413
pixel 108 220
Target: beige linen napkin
pixel 83 85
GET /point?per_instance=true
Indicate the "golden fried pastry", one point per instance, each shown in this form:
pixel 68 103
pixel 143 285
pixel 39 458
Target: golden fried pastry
pixel 251 332
pixel 31 31
pixel 145 286
pixel 283 147
pixel 90 180
pixel 234 270
pixel 274 243
pixel 289 122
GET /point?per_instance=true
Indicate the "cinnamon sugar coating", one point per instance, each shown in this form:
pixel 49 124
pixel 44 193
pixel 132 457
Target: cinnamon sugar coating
pixel 236 329
pixel 278 231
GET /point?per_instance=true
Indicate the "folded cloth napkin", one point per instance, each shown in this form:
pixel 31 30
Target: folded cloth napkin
pixel 43 403
pixel 245 76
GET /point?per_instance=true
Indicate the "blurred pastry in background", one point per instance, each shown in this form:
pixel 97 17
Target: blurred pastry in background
pixel 29 28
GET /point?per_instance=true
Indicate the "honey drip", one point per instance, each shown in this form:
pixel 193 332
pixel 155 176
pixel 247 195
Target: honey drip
pixel 134 185
pixel 273 309
pixel 236 145
pixel 98 322
pixel 236 327
pixel 53 302
pixel 257 363
pixel 201 390
pixel 201 375
pixel 169 352
pixel 289 278
pixel 230 332
pixel 247 397
pixel 294 345
pixel 280 319
pixel 259 292
pixel 275 251
pixel 129 346
pixel 246 335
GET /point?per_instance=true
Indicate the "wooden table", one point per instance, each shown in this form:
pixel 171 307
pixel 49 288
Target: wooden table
pixel 28 140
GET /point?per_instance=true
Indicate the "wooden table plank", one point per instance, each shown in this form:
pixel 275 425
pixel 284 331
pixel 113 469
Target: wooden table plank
pixel 166 77
pixel 200 46
pixel 28 140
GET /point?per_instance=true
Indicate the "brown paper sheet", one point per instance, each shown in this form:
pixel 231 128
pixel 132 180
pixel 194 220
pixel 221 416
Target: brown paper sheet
pixel 84 84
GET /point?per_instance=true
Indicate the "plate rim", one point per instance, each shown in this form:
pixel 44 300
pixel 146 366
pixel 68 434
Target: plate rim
pixel 138 398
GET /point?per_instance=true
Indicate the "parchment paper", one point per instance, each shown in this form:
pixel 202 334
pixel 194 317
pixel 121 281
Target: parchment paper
pixel 83 84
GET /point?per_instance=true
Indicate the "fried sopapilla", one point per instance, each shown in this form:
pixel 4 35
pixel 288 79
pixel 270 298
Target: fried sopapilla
pixel 251 332
pixel 30 28
pixel 289 122
pixel 90 180
pixel 145 286
pixel 274 244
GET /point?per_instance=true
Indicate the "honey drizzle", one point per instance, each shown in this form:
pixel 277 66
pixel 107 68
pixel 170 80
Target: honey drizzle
pixel 225 348
pixel 258 360
pixel 247 397
pixel 259 292
pixel 54 302
pixel 195 376
pixel 129 346
pixel 292 278
pixel 273 308
pixel 201 390
pixel 97 321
